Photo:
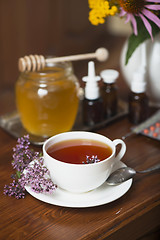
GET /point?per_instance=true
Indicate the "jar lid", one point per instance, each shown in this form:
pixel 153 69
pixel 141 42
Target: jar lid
pixel 109 75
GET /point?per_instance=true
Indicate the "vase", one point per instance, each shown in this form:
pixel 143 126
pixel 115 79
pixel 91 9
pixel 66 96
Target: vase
pixel 146 57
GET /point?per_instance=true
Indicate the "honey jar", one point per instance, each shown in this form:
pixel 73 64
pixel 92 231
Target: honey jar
pixel 47 100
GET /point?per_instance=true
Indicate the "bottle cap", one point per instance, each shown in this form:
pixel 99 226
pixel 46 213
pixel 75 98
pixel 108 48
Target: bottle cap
pixel 109 75
pixel 91 88
pixel 138 84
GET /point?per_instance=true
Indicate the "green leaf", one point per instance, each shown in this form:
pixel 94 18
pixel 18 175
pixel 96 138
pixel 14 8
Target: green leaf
pixel 18 174
pixel 134 41
pixel 40 154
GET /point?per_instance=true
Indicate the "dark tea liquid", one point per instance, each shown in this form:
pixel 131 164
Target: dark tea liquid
pixel 75 151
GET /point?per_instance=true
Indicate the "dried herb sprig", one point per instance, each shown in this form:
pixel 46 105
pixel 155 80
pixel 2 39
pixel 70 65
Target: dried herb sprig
pixel 91 159
pixel 36 175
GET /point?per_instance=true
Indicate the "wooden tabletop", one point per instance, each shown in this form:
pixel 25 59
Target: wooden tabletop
pixel 135 214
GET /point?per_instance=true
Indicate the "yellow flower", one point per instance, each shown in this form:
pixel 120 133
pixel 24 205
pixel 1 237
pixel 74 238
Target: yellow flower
pixel 100 9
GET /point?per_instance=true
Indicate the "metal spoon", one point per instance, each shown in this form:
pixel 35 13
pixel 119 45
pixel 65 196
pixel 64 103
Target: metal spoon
pixel 125 173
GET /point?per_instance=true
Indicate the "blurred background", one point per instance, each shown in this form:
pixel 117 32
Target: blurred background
pixel 52 27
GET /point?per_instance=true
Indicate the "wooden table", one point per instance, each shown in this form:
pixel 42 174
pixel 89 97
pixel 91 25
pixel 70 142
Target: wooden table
pixel 132 216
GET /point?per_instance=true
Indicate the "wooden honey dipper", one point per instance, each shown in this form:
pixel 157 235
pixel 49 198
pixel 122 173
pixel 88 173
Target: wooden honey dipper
pixel 37 62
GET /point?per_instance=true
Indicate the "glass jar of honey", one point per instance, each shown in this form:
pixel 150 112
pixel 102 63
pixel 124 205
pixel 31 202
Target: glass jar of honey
pixel 47 100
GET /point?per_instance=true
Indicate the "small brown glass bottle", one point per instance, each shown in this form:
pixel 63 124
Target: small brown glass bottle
pixel 92 103
pixel 109 92
pixel 138 99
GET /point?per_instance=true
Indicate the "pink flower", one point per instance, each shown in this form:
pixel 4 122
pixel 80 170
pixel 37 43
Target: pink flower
pixel 142 9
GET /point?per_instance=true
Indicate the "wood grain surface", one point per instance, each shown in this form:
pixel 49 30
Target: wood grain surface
pixel 135 214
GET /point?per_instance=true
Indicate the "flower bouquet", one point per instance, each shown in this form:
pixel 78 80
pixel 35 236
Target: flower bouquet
pixel 144 16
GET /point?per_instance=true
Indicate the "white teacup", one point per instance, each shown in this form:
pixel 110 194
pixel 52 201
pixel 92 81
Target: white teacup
pixel 81 178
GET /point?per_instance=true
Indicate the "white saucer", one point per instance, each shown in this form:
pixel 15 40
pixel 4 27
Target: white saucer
pixel 102 195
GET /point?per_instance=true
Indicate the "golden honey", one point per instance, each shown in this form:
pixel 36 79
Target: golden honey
pixel 47 101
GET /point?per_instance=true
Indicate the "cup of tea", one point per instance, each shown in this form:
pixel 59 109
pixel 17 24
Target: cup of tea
pixel 81 161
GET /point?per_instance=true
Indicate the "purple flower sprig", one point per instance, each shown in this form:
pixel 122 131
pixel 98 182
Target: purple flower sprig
pixel 91 159
pixel 36 175
pixel 23 155
pixel 14 189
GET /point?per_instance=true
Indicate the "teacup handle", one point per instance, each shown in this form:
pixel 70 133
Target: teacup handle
pixel 122 150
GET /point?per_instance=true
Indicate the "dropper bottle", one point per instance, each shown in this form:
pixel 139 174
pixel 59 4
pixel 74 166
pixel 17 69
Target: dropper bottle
pixel 109 92
pixel 92 102
pixel 138 99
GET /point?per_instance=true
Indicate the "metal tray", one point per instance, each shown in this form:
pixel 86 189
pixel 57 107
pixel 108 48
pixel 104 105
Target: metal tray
pixel 12 124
